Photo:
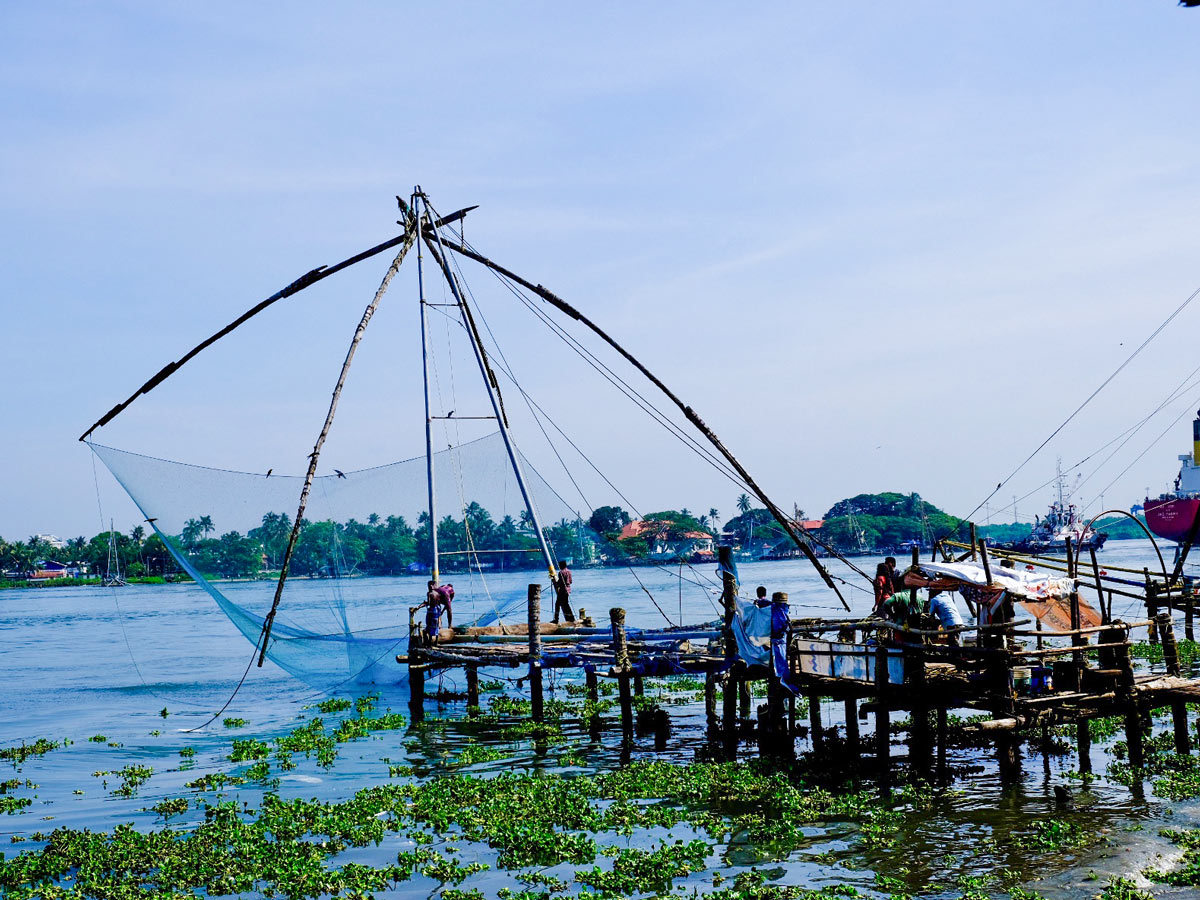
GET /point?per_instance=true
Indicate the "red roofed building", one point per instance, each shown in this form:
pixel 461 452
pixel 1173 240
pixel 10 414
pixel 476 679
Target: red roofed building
pixel 663 545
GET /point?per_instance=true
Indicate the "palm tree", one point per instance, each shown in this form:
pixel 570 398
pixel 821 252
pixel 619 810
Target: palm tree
pixel 743 503
pixel 207 526
pixel 191 532
pixel 714 517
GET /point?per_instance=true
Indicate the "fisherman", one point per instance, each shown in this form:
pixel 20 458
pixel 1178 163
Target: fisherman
pixel 562 594
pixel 897 578
pixel 437 600
pixel 760 596
pixel 883 588
pixel 941 604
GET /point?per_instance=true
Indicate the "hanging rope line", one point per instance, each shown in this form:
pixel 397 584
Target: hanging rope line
pixel 1119 369
pixel 688 412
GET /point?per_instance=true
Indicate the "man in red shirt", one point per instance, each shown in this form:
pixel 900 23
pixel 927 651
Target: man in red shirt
pixel 562 594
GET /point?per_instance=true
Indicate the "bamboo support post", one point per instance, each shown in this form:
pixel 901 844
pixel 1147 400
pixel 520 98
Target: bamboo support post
pixel 852 735
pixel 974 542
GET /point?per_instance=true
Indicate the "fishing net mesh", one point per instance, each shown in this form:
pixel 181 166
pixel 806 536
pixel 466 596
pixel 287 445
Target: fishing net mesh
pixel 360 563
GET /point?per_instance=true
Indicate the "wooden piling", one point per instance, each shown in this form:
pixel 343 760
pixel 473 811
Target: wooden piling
pixel 1166 634
pixel 621 668
pixel 815 729
pixel 941 742
pixel 1133 735
pixel 744 697
pixel 535 651
pixel 883 724
pixel 1083 741
pixel 639 687
pixel 416 692
pixel 1151 606
pixel 729 707
pixel 852 735
pixel 472 688
pixel 710 700
pixel 1179 720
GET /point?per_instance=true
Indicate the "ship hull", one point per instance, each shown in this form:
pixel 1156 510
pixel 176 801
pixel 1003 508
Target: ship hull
pixel 1172 518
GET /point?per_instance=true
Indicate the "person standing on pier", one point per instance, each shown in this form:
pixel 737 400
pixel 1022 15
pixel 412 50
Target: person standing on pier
pixel 562 594
pixel 437 600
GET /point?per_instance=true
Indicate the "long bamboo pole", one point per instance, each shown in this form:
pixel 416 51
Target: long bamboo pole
pixel 407 241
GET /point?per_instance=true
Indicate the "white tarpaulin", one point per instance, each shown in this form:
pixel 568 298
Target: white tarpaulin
pixel 1023 585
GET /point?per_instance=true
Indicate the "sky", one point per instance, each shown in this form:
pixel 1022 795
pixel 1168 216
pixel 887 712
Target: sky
pixel 876 246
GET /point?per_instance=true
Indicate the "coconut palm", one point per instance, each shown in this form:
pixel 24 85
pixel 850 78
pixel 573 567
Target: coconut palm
pixel 743 503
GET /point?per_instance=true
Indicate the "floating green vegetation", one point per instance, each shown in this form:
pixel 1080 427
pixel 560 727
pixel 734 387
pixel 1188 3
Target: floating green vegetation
pixel 1123 889
pixel 132 777
pixel 335 704
pixel 1176 775
pixel 214 781
pixel 233 722
pixel 172 806
pixel 1057 834
pixel 250 748
pixel 164 712
pixel 1189 652
pixel 187 751
pixel 492 686
pixel 1187 872
pixel 23 751
pixel 98 739
pixel 1104 729
pixel 642 871
pixel 11 805
pixel 474 752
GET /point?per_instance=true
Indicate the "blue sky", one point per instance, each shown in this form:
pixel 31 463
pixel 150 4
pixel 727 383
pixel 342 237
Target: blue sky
pixel 878 246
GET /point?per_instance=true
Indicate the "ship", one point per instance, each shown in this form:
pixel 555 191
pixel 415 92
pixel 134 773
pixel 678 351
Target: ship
pixel 1061 523
pixel 1173 515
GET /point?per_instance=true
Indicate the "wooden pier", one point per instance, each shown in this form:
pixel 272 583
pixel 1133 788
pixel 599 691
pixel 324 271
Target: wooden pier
pixel 872 667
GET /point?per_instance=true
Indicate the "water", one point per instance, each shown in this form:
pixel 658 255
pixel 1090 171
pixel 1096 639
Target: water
pixel 84 662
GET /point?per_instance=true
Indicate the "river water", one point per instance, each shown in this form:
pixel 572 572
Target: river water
pixel 142 665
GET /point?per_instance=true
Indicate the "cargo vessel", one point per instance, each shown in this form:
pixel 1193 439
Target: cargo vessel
pixel 1172 515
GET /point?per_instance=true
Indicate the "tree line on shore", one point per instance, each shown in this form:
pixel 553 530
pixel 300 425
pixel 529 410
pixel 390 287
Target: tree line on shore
pixel 390 545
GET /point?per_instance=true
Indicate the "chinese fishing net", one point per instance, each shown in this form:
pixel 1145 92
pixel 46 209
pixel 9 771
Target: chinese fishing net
pixel 359 565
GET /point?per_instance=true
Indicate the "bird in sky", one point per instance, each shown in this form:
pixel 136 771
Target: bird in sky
pixel 340 473
pixel 152 521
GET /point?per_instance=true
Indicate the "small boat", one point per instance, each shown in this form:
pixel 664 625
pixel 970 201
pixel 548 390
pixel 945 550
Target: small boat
pixel 1172 515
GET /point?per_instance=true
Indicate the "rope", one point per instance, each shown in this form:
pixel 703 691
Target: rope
pixel 1081 406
